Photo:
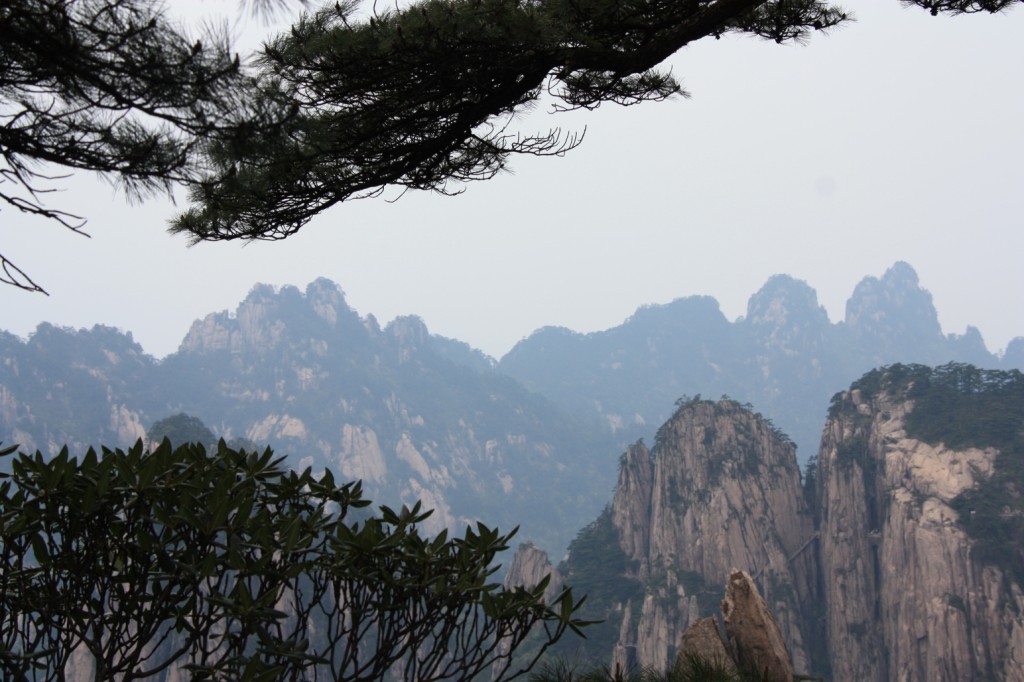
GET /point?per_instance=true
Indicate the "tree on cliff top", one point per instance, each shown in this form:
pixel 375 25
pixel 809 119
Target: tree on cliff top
pixel 337 108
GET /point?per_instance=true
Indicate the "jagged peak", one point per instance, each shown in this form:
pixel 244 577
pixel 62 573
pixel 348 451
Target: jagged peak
pixel 409 329
pixel 324 286
pixel 901 272
pixel 780 299
pixel 263 317
pixel 372 325
pixel 785 313
pixel 409 333
pixel 897 292
pixel 260 292
pixel 1013 355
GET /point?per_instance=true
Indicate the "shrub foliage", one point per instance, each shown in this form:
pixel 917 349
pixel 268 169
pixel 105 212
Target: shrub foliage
pixel 231 566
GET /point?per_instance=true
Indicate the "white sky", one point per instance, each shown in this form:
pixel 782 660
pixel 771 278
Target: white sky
pixel 898 137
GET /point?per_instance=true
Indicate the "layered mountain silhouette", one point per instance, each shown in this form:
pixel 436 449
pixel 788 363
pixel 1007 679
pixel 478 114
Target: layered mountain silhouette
pixel 410 414
pixel 785 357
pixel 528 440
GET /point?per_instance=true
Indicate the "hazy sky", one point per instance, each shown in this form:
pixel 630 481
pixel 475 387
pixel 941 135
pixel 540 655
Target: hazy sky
pixel 898 137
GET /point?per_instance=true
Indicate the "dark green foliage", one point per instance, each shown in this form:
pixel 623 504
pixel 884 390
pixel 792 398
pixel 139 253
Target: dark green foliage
pixel 708 597
pixel 963 406
pixel 957 602
pixel 853 449
pixel 338 108
pixel 810 485
pixel 597 566
pixel 181 429
pixel 691 668
pixel 238 568
pixel 421 96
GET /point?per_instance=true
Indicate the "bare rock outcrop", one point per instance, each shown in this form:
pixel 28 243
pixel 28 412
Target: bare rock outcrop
pixel 530 565
pixel 754 634
pixel 631 508
pixel 703 641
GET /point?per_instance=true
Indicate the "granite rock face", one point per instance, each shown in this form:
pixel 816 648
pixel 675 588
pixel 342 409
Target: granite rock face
pixel 530 565
pixel 905 595
pixel 719 491
pixel 875 568
pixel 703 640
pixel 754 633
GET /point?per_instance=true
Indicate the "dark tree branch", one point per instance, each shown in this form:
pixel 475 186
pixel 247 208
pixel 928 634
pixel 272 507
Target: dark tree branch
pixel 337 108
pixel 108 86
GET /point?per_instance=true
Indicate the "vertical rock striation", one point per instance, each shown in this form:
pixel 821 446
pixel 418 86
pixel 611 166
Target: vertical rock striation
pixel 906 596
pixel 530 565
pixel 720 491
pixel 753 632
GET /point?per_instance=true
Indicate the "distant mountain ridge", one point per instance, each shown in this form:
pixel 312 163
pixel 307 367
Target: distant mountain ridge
pixel 418 416
pixel 410 414
pixel 784 356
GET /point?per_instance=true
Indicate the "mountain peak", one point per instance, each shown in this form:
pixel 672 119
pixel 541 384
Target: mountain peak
pixel 782 300
pixel 409 333
pixel 269 314
pixel 896 315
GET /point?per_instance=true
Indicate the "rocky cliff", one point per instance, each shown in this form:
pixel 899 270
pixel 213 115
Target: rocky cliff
pixel 718 492
pixel 901 559
pixel 914 589
pixel 724 494
pixel 530 565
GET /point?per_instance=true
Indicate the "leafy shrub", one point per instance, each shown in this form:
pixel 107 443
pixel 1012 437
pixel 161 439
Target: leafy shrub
pixel 233 567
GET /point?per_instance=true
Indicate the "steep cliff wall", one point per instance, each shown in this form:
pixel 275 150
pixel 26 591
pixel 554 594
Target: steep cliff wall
pixel 719 491
pixel 909 594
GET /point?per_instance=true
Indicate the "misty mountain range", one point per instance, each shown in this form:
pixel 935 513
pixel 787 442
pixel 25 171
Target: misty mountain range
pixel 528 440
pixel 785 357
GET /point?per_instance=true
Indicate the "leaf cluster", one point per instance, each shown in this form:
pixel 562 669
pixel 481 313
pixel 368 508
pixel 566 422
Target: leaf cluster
pixel 339 107
pixel 230 566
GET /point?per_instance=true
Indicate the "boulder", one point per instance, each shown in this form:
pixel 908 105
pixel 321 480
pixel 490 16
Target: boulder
pixel 703 641
pixel 754 634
